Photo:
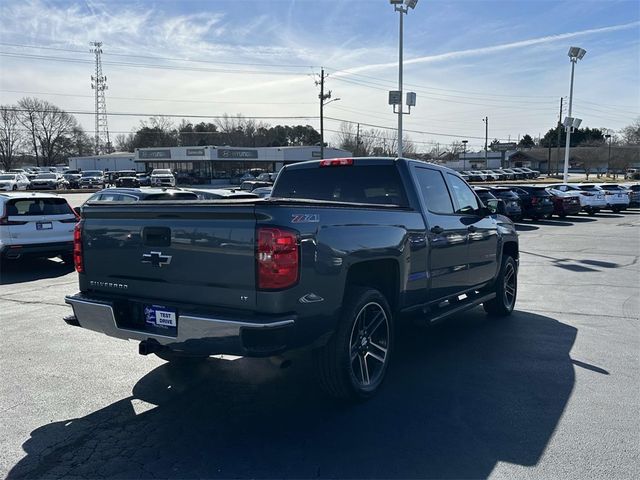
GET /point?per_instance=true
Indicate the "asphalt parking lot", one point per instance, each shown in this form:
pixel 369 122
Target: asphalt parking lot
pixel 554 391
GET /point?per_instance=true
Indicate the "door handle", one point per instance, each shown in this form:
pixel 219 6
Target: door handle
pixel 437 230
pixel 472 229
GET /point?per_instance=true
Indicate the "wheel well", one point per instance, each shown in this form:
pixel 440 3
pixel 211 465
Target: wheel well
pixel 511 249
pixel 383 275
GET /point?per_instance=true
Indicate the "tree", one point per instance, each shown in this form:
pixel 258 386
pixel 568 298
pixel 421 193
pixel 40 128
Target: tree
pixel 53 126
pixel 124 143
pixel 155 132
pixel 28 109
pixel 10 136
pixel 578 136
pixel 631 133
pixel 526 142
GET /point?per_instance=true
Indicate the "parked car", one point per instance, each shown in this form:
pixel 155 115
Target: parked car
pixel 49 181
pixel 505 175
pixel 536 201
pixel 512 202
pixel 131 195
pixel 251 185
pixel 73 177
pixel 487 197
pixel 36 224
pixel 490 176
pixel 564 204
pixel 262 192
pixel 634 194
pixel 532 173
pixel 111 177
pixel 473 176
pixel 144 179
pixel 482 176
pixel 162 177
pixel 517 175
pixel 92 179
pixel 590 201
pixel 128 181
pixel 267 177
pixel 617 198
pixel 632 174
pixel 222 193
pixel 13 181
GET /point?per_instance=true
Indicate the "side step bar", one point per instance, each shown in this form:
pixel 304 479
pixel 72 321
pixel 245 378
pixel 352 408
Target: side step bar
pixel 458 307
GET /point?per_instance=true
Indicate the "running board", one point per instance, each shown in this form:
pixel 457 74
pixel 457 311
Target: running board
pixel 459 308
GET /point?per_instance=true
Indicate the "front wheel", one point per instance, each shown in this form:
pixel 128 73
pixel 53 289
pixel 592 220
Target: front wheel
pixel 353 364
pixel 506 290
pixel 14 188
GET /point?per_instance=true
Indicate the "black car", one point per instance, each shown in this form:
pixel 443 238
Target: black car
pixel 536 201
pixel 222 194
pixel 144 179
pixel 512 202
pixel 131 195
pixel 127 182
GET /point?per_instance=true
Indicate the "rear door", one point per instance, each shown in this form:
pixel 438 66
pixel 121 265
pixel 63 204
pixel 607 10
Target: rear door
pixel 447 236
pixel 482 232
pixel 183 253
pixel 40 220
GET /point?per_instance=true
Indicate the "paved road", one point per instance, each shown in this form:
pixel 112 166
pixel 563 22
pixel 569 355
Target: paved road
pixel 552 392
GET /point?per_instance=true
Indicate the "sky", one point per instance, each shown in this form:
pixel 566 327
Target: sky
pixel 465 59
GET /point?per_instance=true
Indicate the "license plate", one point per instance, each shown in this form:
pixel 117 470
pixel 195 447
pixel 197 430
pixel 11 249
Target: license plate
pixel 44 225
pixel 160 316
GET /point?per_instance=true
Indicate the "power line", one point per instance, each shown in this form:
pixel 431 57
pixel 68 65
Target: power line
pixel 170 115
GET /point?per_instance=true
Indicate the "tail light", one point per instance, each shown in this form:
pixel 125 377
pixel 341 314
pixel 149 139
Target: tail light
pixel 78 258
pixel 277 258
pixel 336 162
pixel 4 219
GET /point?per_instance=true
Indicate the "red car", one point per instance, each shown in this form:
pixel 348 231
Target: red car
pixel 564 204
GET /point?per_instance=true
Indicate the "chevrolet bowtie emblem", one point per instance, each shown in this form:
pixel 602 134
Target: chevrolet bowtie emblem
pixel 157 259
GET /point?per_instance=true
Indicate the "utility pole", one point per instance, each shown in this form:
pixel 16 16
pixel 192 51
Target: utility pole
pixel 486 141
pixel 559 134
pixel 323 96
pixel 357 141
pixel 99 84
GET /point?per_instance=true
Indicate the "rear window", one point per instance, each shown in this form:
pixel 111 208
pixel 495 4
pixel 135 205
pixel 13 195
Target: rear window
pixel 46 176
pixel 38 206
pixel 377 184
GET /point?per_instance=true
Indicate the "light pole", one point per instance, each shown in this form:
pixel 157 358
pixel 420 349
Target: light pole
pixel 575 54
pixel 608 137
pixel 402 10
pixel 464 157
pixel 486 141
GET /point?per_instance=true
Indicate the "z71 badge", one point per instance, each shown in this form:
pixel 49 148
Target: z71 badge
pixel 305 218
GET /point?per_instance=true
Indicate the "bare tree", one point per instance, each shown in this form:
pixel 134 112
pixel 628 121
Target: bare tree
pixel 10 135
pixel 54 126
pixel 631 133
pixel 124 142
pixel 28 109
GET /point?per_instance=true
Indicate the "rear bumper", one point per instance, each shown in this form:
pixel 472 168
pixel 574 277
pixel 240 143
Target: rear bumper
pixel 36 249
pixel 196 334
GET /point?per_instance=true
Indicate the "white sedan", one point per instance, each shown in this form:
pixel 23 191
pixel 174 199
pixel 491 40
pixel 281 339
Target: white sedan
pixel 13 182
pixel 591 201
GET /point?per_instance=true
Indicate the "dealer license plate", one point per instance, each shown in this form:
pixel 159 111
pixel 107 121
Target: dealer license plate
pixel 160 316
pixel 44 225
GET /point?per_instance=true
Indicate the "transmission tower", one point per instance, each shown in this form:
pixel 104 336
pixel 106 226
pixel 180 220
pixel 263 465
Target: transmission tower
pixel 99 84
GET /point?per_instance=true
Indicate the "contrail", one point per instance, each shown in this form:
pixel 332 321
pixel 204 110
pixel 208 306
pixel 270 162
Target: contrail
pixel 486 50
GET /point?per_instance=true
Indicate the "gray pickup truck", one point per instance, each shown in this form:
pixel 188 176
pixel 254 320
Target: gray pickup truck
pixel 342 250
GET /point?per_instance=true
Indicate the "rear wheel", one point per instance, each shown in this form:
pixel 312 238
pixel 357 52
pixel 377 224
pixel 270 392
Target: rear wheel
pixel 506 290
pixel 353 364
pixel 616 209
pixel 14 188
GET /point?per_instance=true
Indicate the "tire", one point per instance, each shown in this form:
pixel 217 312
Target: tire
pixel 615 209
pixel 14 188
pixel 353 364
pixel 506 290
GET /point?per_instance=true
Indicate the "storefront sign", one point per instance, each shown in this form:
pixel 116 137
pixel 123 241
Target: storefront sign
pixel 154 154
pixel 195 152
pixel 226 153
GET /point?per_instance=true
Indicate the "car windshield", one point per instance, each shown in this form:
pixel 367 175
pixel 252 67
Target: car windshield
pixel 161 172
pixel 8 177
pixel 92 174
pixel 46 176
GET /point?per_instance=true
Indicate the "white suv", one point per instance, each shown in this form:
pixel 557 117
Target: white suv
pixel 13 181
pixel 36 224
pixel 162 177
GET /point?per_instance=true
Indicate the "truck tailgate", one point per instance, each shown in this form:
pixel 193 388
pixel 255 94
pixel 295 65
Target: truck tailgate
pixel 186 253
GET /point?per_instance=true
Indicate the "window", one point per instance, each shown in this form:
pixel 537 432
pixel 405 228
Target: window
pixel 378 184
pixel 38 206
pixel 434 190
pixel 464 196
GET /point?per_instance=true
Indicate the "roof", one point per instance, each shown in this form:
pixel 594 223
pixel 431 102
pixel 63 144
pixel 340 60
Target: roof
pixel 28 195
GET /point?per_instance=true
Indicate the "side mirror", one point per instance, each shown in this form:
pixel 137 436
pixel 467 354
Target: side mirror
pixel 496 206
pixel 78 210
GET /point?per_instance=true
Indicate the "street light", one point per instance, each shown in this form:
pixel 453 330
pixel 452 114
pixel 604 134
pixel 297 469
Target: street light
pixel 396 96
pixel 464 158
pixel 575 54
pixel 608 137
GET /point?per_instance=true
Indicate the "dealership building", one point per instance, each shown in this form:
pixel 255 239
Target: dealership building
pixel 206 164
